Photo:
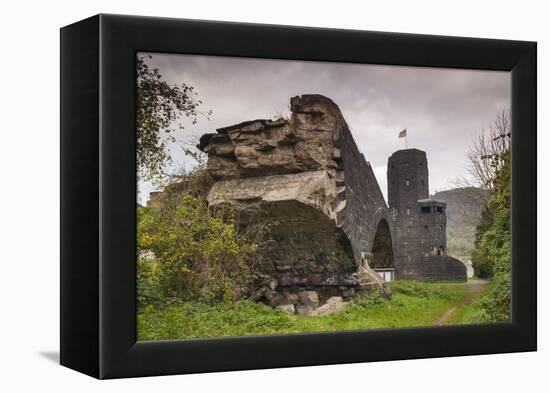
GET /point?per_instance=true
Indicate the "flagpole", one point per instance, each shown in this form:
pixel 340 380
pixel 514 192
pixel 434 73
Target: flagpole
pixel 404 134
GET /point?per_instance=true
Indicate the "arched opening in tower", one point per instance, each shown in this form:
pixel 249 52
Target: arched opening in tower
pixel 382 250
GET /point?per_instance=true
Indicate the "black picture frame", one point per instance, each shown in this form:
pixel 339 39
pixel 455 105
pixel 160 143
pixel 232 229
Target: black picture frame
pixel 98 195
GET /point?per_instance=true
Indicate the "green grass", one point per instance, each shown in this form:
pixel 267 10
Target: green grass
pixel 471 313
pixel 412 304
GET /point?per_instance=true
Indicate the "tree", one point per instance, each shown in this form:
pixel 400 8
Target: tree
pixel 485 155
pixel 160 109
pixel 489 158
pixel 486 158
pixel 490 163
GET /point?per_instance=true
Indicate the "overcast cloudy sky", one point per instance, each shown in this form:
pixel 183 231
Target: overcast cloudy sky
pixel 442 109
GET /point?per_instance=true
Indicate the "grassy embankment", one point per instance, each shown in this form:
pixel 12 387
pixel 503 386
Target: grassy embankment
pixel 412 304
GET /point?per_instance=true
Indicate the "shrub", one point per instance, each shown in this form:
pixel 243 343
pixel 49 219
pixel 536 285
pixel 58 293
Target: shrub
pixel 148 282
pixel 369 300
pixel 198 253
pixel 493 248
pixel 496 303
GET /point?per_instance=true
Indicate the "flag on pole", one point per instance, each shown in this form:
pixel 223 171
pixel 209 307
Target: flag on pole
pixel 403 133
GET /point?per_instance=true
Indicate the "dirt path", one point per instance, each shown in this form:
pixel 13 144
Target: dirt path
pixel 475 287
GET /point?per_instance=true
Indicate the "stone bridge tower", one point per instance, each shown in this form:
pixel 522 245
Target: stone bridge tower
pixel 407 181
pixel 419 222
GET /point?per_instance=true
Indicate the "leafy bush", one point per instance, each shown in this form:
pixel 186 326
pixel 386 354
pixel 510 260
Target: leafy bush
pixel 493 249
pixel 368 301
pixel 496 303
pixel 198 253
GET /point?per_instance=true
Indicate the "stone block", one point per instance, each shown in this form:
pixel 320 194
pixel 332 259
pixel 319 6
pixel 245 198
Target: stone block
pixel 274 298
pixel 303 310
pixel 273 284
pixel 309 298
pixel 288 308
pixel 334 304
pixel 291 298
pixel 350 292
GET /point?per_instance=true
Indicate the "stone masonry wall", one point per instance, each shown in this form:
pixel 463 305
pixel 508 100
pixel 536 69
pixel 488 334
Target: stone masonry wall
pixel 435 268
pixel 306 174
pixel 365 204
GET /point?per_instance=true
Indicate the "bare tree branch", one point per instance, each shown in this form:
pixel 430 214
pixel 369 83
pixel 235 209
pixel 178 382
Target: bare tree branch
pixel 487 149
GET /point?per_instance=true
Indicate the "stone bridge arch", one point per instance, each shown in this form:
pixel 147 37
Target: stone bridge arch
pixel 382 247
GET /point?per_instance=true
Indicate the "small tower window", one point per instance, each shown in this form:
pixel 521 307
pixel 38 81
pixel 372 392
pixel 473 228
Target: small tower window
pixel 425 209
pixel 407 182
pixel 422 182
pixel 440 228
pixel 426 228
pixel 439 209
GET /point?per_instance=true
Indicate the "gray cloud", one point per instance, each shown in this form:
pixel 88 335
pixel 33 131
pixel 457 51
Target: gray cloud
pixel 442 109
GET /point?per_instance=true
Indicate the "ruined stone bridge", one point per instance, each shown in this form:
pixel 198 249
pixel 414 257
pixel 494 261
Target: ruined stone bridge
pixel 307 175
